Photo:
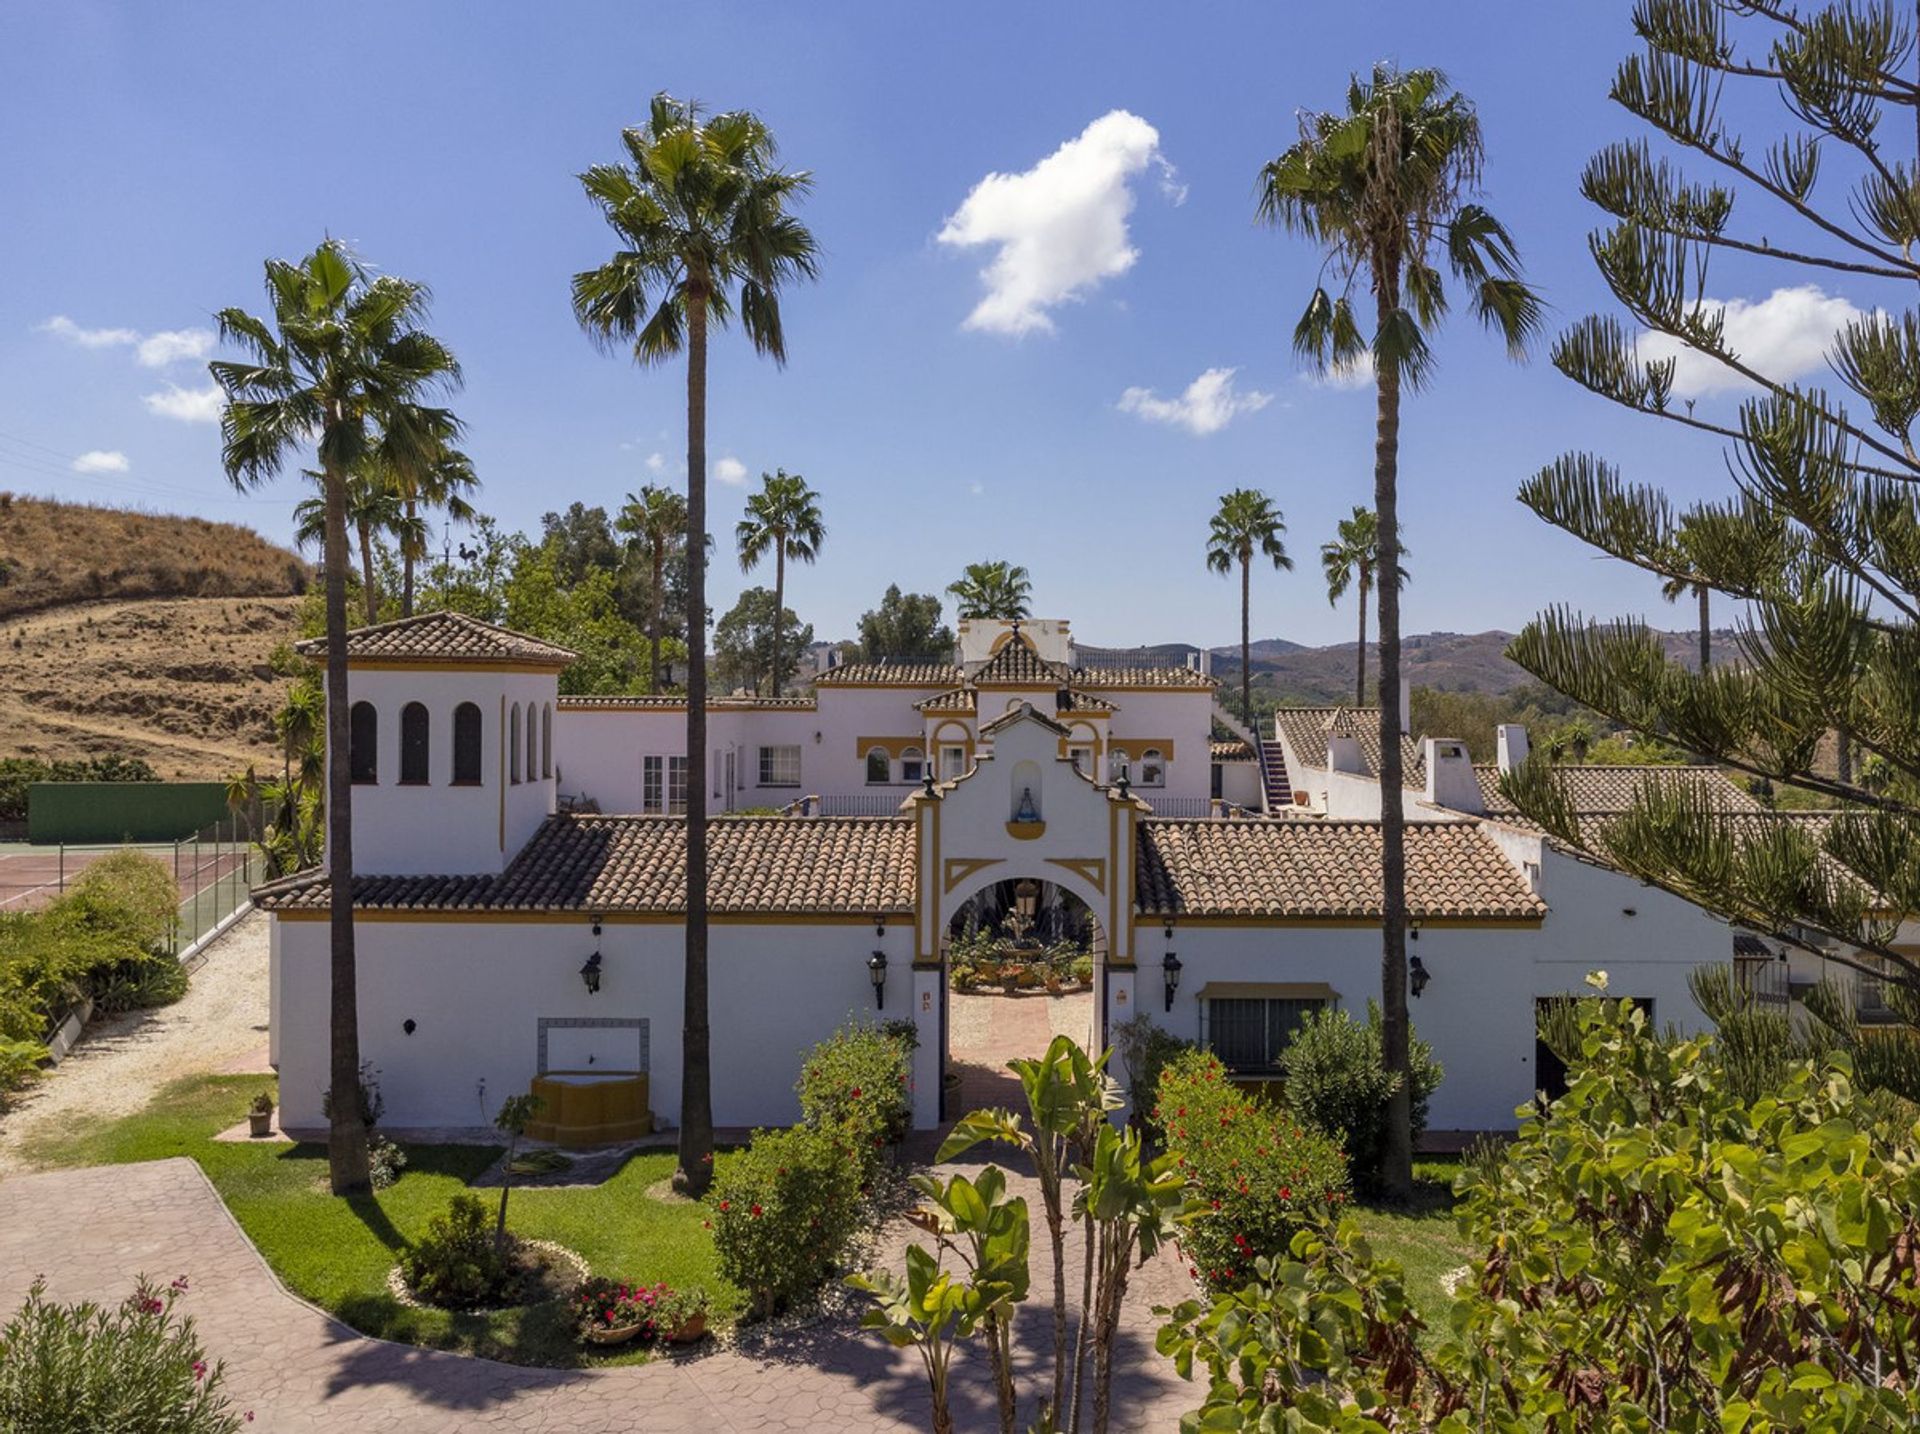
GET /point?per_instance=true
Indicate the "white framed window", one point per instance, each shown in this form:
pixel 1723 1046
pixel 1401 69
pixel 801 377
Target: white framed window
pixel 780 766
pixel 1153 768
pixel 653 784
pixel 879 767
pixel 677 786
pixel 1082 759
pixel 913 765
pixel 953 762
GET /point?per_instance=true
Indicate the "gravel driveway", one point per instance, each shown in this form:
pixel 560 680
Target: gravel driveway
pixel 219 1025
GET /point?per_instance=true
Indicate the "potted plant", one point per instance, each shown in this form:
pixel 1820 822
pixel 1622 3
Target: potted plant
pixel 612 1311
pixel 260 1115
pixel 681 1315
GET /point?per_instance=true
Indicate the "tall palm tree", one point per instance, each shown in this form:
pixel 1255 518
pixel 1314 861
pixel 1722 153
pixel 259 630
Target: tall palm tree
pixel 372 507
pixel 702 217
pixel 342 362
pixel 443 482
pixel 1354 554
pixel 785 516
pixel 1381 188
pixel 992 590
pixel 655 520
pixel 1246 525
pixel 1673 589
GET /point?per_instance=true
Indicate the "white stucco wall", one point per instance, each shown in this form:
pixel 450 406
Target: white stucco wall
pixel 1240 783
pixel 441 829
pixel 477 991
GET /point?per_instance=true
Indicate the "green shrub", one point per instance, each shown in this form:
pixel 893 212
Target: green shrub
pixel 126 894
pixel 858 1082
pixel 1336 1083
pixel 1257 1177
pixel 1146 1048
pixel 457 1264
pixel 783 1211
pixel 84 1369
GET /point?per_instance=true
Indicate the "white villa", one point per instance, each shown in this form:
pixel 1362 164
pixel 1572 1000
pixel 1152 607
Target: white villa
pixel 520 862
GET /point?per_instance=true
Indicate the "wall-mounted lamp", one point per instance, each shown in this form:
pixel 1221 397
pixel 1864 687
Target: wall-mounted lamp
pixel 877 973
pixel 1418 976
pixel 1413 930
pixel 1169 926
pixel 410 1025
pixel 590 973
pixel 1170 966
pixel 1026 900
pixel 880 923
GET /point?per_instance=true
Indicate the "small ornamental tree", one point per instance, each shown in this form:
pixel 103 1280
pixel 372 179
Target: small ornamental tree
pixel 516 1114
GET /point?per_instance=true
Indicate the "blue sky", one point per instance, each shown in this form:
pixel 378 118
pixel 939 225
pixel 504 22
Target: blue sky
pixel 151 157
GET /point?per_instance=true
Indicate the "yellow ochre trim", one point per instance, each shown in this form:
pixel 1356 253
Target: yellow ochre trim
pixel 1090 869
pixel 1026 831
pixel 581 915
pixel 959 868
pixel 416 664
pixel 894 746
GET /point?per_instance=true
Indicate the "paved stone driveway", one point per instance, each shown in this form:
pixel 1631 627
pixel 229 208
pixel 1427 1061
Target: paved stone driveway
pixel 91 1231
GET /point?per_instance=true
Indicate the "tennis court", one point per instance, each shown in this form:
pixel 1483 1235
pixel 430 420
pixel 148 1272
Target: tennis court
pixel 213 873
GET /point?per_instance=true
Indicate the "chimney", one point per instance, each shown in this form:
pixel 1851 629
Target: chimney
pixel 1511 738
pixel 1343 744
pixel 1451 782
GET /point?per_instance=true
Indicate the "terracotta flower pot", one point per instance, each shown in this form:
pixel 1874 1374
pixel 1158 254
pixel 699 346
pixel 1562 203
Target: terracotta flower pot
pixel 693 1329
pixel 613 1334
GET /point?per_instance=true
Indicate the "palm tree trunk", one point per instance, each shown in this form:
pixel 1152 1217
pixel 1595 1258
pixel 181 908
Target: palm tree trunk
pixel 1706 630
pixel 346 1133
pixel 366 572
pixel 779 606
pixel 406 564
pixel 1246 644
pixel 653 613
pixel 1396 1160
pixel 1360 683
pixel 696 1073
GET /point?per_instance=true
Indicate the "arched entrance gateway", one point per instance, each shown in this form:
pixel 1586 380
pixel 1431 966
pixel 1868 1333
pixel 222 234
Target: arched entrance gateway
pixel 1025 864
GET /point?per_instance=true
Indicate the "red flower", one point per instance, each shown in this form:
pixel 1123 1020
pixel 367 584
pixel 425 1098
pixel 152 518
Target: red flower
pixel 756 1212
pixel 199 1369
pixel 855 1092
pixel 1286 1192
pixel 726 1205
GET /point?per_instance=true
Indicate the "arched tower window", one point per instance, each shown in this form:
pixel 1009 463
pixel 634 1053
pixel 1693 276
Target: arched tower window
pixel 466 745
pixel 546 739
pixel 413 745
pixel 533 744
pixel 513 743
pixel 363 743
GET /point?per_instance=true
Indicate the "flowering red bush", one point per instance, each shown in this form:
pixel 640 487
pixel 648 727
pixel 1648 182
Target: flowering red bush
pixel 859 1080
pixel 1258 1175
pixel 783 1211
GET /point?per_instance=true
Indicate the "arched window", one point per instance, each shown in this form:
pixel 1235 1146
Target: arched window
pixel 1153 768
pixel 413 745
pixel 533 744
pixel 513 743
pixel 466 745
pixel 363 743
pixel 879 767
pixel 546 739
pixel 913 766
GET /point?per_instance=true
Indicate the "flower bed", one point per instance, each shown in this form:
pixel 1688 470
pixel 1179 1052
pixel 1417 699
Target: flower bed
pixel 1257 1175
pixel 610 1312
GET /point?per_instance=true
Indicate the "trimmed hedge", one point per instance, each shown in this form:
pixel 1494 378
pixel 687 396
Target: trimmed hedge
pixel 1257 1176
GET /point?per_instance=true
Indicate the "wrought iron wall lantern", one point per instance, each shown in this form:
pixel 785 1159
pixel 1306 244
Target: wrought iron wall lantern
pixel 590 972
pixel 877 973
pixel 1170 967
pixel 1418 976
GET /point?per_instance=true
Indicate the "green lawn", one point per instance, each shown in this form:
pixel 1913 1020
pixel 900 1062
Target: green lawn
pixel 1422 1237
pixel 337 1252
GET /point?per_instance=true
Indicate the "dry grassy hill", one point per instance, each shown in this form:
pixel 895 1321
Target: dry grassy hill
pixel 180 682
pixel 52 554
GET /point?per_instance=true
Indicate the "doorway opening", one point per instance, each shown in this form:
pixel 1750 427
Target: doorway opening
pixel 1022 957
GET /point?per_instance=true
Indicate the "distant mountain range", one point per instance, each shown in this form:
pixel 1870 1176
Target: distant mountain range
pixel 1451 661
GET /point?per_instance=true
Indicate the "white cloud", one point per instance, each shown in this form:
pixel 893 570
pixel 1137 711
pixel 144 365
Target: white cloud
pixel 189 405
pixel 159 350
pixel 1784 336
pixel 1061 227
pixel 62 327
pixel 656 463
pixel 977 489
pixel 1209 404
pixel 100 460
pixel 730 470
pixel 1358 374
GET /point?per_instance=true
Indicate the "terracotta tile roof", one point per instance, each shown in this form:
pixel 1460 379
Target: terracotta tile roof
pixel 1608 791
pixel 1305 729
pixel 584 863
pixel 1016 664
pixel 1264 869
pixel 1109 677
pixel 959 699
pixel 1014 714
pixel 888 673
pixel 678 703
pixel 1080 701
pixel 444 637
pixel 1234 751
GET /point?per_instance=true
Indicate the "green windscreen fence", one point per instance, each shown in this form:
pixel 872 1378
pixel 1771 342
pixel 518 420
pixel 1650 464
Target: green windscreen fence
pixel 122 811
